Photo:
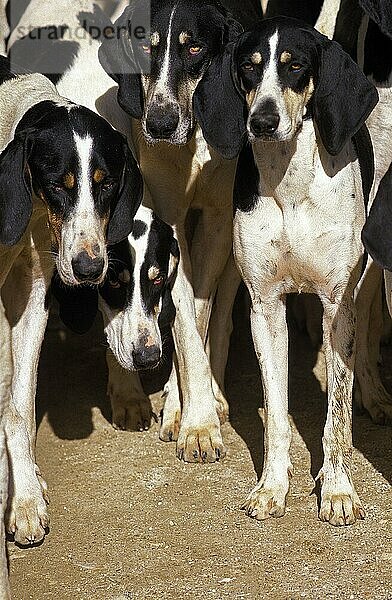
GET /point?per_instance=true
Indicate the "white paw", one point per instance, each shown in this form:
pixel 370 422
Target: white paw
pixel 200 444
pixel 266 500
pixel 340 503
pixel 27 518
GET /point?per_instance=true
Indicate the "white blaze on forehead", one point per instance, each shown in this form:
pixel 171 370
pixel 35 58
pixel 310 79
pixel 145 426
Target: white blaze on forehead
pixel 84 147
pixel 139 246
pixel 164 74
pixel 270 83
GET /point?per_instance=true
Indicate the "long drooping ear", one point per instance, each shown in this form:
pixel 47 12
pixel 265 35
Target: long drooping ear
pixel 377 232
pixel 128 200
pixel 220 107
pixel 343 97
pixel 15 190
pixel 117 57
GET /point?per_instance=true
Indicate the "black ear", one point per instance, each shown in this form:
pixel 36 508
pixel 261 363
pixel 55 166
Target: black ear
pixel 220 107
pixel 77 305
pixel 15 190
pixel 117 57
pixel 128 200
pixel 377 232
pixel 343 97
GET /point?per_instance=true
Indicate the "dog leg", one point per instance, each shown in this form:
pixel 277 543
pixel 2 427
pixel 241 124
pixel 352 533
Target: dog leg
pixel 340 504
pixel 270 338
pixel 131 408
pixel 199 437
pixel 171 414
pixel 219 332
pixel 5 391
pixel 24 296
pixel 4 585
pixel 370 392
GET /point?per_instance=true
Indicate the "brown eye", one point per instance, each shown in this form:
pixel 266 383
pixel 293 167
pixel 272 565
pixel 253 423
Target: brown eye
pixel 295 67
pixel 158 280
pixel 247 66
pixel 194 50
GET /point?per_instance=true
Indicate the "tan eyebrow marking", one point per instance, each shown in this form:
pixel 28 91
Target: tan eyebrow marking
pixel 69 180
pixel 256 58
pixel 285 57
pixel 153 272
pixel 98 175
pixel 184 37
pixel 155 38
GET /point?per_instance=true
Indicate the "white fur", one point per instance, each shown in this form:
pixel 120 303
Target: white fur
pixel 293 241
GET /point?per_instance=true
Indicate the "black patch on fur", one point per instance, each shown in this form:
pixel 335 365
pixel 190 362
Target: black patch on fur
pixel 247 179
pixel 298 9
pixel 364 149
pixel 5 70
pixel 378 54
pixel 139 228
pixel 377 232
pixel 380 12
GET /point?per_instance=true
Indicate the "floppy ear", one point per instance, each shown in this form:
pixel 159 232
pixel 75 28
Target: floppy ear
pixel 343 97
pixel 117 57
pixel 15 191
pixel 220 107
pixel 128 200
pixel 377 232
pixel 77 305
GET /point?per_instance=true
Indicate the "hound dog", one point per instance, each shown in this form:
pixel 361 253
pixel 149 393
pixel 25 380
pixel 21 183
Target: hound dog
pixel 135 302
pixel 294 104
pixel 68 185
pixel 182 173
pixel 82 79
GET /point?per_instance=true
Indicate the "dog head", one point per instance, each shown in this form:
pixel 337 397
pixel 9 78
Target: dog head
pixel 72 161
pixel 135 299
pixel 184 37
pixel 274 76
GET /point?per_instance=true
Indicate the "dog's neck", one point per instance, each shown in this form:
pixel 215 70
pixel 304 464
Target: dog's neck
pixel 287 167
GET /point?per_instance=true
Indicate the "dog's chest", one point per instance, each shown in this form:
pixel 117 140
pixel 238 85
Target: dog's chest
pixel 308 209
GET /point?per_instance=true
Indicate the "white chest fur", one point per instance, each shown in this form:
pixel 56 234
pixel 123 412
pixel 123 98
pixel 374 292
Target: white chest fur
pixel 305 227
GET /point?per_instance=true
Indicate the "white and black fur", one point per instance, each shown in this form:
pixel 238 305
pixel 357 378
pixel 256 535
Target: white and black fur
pixel 300 206
pixel 69 185
pixel 185 37
pixel 82 79
pixel 135 302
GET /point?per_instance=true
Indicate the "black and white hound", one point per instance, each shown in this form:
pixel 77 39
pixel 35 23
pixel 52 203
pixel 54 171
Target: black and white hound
pixel 296 103
pixel 185 37
pixel 68 186
pixel 81 78
pixel 137 309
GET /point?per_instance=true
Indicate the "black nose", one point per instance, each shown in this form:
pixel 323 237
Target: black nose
pixel 264 123
pixel 86 268
pixel 162 121
pixel 146 357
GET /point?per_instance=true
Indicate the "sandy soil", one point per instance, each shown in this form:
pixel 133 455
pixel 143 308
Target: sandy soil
pixel 128 520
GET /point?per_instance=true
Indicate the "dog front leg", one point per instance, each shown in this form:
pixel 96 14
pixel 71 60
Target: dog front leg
pixel 340 504
pixel 270 338
pixel 24 297
pixel 199 438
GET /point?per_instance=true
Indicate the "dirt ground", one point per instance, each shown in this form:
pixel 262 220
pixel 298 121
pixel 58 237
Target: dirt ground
pixel 130 521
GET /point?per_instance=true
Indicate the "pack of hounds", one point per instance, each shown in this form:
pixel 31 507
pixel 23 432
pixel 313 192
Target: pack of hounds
pixel 269 126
